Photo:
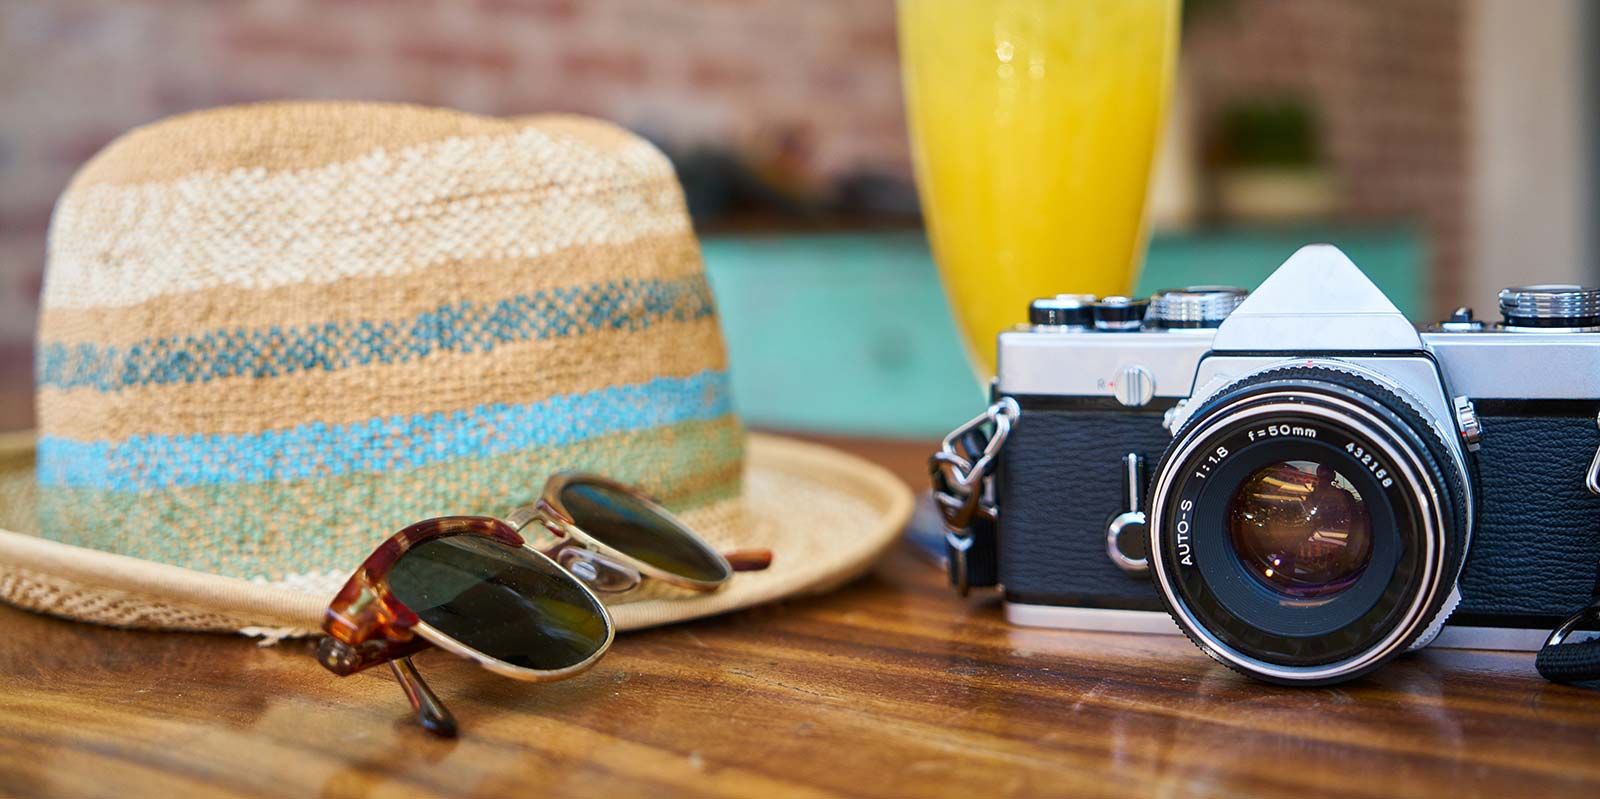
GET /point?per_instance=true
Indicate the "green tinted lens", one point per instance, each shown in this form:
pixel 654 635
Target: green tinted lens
pixel 503 601
pixel 635 528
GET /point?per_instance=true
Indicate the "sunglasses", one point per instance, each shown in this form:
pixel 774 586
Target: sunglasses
pixel 472 586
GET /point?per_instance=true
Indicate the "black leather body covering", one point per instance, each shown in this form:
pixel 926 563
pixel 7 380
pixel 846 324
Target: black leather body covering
pixel 1532 559
pixel 1059 483
pixel 1536 543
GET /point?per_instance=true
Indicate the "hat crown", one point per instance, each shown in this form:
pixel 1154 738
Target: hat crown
pixel 272 335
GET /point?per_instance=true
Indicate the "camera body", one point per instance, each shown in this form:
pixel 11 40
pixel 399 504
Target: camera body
pixel 1301 479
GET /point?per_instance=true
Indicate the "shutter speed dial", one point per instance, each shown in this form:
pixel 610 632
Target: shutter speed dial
pixel 1195 306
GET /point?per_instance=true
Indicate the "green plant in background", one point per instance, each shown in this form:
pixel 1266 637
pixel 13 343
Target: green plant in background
pixel 1268 132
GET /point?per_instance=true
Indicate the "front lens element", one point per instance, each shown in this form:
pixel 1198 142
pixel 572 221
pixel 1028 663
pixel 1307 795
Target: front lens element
pixel 1301 529
pixel 637 528
pixel 506 602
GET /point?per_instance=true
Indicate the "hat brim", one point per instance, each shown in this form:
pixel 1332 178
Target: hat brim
pixel 826 515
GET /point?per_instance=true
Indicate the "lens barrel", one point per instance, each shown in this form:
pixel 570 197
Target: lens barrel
pixel 1308 524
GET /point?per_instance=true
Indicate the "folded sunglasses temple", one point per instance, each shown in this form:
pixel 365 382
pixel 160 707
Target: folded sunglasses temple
pixel 342 659
pixel 431 712
pixel 749 560
pixel 367 627
pixel 437 719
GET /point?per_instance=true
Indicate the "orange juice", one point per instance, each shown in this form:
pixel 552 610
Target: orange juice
pixel 1033 125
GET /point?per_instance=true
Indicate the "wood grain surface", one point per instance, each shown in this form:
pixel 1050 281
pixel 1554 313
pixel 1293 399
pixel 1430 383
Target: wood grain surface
pixel 891 686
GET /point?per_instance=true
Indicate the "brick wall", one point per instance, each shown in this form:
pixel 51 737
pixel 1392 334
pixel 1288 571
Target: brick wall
pixel 74 73
pixel 1386 78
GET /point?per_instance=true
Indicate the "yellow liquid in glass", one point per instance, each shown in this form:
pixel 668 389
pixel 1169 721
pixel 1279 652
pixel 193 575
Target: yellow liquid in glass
pixel 1033 126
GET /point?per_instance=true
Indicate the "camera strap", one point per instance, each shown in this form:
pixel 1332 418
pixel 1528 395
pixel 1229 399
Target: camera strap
pixel 1566 661
pixel 965 495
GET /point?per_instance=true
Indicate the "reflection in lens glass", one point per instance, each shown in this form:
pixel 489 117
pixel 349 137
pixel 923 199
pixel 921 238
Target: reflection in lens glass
pixel 1301 529
pixel 619 520
pixel 503 601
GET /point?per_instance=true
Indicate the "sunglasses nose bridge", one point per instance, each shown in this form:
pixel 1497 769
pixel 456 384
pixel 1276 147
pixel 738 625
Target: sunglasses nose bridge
pixel 600 573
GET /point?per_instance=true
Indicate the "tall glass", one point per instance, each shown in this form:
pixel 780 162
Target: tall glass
pixel 1033 126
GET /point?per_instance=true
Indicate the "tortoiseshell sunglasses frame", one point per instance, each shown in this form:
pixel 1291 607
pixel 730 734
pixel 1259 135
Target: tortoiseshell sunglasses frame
pixel 367 626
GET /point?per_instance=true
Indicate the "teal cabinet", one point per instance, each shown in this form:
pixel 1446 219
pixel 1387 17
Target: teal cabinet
pixel 851 334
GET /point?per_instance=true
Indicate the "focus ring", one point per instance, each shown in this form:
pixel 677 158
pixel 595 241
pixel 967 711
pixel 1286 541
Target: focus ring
pixel 1431 453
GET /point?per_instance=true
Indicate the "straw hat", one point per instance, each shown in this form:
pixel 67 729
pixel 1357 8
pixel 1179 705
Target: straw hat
pixel 272 335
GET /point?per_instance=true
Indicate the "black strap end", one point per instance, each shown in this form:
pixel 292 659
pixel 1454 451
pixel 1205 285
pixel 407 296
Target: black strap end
pixel 1570 662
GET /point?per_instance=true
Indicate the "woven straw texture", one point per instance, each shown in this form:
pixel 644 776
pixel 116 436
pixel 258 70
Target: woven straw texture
pixel 272 335
pixel 825 515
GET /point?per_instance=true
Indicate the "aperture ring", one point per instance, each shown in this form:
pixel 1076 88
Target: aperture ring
pixel 1437 488
pixel 1395 641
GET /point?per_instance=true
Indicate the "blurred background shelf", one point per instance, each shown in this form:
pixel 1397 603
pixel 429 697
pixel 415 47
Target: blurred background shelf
pixel 849 333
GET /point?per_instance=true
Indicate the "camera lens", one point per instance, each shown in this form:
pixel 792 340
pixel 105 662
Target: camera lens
pixel 1300 528
pixel 1308 523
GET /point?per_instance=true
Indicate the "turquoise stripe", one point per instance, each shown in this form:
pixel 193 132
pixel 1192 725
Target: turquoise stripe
pixel 457 327
pixel 385 444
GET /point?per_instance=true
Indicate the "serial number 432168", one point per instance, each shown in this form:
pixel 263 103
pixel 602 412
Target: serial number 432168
pixel 1370 462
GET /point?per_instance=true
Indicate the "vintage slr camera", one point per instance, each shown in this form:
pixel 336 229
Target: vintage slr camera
pixel 1325 484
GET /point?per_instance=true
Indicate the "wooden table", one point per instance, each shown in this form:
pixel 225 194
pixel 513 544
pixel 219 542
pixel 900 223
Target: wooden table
pixel 889 687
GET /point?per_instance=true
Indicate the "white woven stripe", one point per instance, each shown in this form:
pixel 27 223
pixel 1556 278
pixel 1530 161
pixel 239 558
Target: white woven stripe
pixel 324 584
pixel 498 197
